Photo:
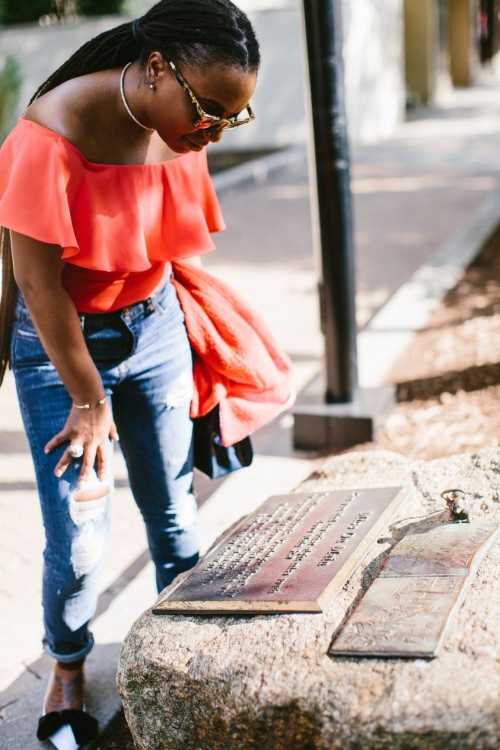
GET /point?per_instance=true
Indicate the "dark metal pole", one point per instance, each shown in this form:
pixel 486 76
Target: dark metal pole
pixel 351 415
pixel 323 24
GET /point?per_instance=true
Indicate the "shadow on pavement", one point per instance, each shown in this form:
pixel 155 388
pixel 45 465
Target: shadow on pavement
pixel 21 702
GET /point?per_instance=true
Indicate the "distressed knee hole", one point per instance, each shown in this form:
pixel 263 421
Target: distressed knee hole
pixel 184 515
pixel 83 511
pixel 87 550
pixel 88 545
pixel 95 491
pixel 180 391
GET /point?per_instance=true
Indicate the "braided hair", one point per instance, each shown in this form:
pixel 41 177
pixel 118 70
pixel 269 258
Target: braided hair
pixel 190 32
pixel 193 32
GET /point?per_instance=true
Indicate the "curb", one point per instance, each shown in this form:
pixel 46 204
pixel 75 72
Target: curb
pixel 390 331
pixel 257 171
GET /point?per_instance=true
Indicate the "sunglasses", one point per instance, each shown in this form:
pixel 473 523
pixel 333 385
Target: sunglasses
pixel 206 120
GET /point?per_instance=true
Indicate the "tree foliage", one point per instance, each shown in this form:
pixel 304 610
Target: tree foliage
pixel 10 84
pixel 98 7
pixel 21 11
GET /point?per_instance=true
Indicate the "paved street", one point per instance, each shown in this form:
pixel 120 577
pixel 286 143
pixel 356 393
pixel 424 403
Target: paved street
pixel 412 193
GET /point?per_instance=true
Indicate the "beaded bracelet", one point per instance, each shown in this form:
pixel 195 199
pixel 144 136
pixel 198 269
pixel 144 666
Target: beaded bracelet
pixel 101 402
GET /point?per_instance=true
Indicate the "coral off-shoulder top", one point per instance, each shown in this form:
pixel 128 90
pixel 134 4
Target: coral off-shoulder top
pixel 119 225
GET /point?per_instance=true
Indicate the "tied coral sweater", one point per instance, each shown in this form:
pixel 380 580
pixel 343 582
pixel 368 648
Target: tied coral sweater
pixel 238 364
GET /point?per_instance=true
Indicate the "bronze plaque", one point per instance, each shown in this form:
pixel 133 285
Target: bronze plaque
pixel 400 617
pixel 288 556
pixel 447 550
pixel 406 611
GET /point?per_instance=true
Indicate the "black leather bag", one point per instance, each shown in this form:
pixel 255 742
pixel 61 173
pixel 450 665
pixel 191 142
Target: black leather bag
pixel 210 456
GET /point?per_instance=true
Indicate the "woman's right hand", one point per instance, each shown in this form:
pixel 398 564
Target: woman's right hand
pixel 90 428
pixel 39 276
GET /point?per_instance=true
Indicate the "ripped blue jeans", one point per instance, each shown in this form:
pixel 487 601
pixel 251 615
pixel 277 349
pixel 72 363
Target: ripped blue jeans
pixel 143 355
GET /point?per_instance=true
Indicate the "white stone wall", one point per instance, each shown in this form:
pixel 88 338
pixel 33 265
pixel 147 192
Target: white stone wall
pixel 373 58
pixel 374 62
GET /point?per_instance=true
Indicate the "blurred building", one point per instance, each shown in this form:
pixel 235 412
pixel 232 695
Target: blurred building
pixel 446 43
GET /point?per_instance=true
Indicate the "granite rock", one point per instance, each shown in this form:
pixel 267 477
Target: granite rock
pixel 267 683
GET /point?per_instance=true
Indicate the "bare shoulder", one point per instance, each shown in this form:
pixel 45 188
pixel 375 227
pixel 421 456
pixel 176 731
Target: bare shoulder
pixel 82 109
pixel 69 108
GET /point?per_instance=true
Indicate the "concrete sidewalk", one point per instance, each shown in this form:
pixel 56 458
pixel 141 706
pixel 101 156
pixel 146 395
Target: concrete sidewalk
pixel 414 195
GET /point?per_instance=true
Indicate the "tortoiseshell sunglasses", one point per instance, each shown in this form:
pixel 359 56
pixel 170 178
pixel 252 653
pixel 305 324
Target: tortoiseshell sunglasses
pixel 206 120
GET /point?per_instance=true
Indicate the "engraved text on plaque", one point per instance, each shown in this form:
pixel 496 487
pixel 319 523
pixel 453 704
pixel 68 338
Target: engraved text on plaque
pixel 290 555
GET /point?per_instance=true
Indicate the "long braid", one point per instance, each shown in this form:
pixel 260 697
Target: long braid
pixel 193 32
pixel 107 50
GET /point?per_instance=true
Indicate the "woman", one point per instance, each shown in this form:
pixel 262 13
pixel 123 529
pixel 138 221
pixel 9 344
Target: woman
pixel 103 182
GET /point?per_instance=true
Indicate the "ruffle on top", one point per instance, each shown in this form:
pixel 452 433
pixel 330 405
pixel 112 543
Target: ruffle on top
pixel 107 217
